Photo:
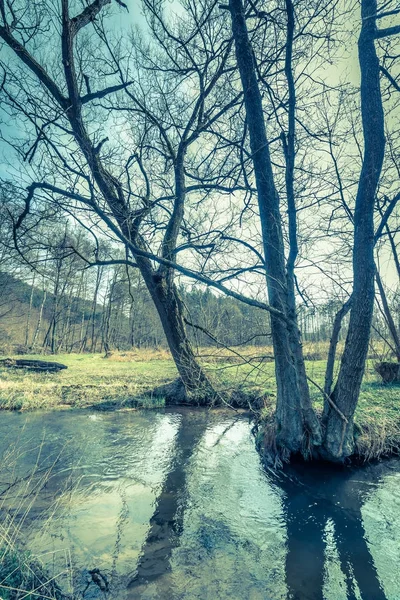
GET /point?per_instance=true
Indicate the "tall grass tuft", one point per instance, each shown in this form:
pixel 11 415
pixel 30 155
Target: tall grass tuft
pixel 23 574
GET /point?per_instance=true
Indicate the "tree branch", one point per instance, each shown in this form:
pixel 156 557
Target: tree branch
pixel 139 252
pixel 34 66
pixel 385 217
pixel 381 33
pixel 390 78
pixel 88 15
pixel 102 93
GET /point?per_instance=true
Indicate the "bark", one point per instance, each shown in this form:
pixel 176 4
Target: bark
pixel 295 418
pixel 199 389
pixel 330 365
pixel 339 436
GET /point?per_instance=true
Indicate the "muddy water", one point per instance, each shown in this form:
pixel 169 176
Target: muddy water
pixel 174 505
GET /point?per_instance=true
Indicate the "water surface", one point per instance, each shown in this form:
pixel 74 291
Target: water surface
pixel 175 505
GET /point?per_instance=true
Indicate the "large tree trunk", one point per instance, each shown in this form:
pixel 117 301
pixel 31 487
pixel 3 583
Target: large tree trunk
pixel 339 439
pixel 196 387
pixel 296 424
pixel 288 141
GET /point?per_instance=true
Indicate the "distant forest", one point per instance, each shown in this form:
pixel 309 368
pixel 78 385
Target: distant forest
pixel 70 309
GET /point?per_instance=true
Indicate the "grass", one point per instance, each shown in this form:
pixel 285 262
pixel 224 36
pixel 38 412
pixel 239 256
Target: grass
pixel 22 573
pixel 125 380
pixel 90 380
pixel 22 576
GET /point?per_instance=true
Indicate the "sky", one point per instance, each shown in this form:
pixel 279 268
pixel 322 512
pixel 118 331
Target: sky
pixel 345 68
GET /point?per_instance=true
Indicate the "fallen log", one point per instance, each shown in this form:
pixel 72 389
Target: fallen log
pixel 33 365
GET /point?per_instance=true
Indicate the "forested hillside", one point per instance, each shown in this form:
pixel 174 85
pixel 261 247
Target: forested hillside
pixel 111 310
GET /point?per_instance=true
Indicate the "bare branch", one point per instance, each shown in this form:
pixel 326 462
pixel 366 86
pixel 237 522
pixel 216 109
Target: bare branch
pixel 103 93
pixel 88 15
pixel 381 33
pixel 390 78
pixel 34 66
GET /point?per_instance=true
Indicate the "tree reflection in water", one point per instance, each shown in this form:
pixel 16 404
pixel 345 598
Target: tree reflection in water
pixel 314 495
pixel 167 521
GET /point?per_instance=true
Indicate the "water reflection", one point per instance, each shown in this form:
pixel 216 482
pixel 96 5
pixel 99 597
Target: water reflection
pixel 317 497
pixel 167 521
pixel 175 505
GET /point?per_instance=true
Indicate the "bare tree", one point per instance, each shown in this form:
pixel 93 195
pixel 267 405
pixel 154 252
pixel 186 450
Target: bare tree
pixel 97 181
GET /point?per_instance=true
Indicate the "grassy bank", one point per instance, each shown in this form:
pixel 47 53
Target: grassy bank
pixel 90 380
pixel 124 380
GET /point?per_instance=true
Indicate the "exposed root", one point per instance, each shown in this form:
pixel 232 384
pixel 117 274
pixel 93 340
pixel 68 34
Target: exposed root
pixel 176 393
pixel 374 439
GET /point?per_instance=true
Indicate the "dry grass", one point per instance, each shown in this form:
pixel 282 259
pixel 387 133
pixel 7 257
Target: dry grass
pixel 140 355
pixel 90 380
pixel 22 574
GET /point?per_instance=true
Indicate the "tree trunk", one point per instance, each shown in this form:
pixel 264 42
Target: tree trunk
pixel 339 436
pixel 39 322
pixel 28 322
pixel 107 316
pixel 330 365
pixel 92 319
pixel 296 424
pixel 197 387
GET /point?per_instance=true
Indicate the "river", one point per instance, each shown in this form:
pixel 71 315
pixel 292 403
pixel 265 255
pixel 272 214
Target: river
pixel 174 504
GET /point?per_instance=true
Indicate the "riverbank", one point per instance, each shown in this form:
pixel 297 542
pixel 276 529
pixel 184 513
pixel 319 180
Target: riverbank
pixel 125 381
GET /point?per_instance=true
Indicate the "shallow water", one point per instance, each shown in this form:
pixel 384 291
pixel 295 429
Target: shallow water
pixel 175 505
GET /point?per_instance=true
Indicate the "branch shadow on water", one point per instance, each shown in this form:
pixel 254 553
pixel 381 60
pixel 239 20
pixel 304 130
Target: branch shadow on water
pixel 166 524
pixel 314 496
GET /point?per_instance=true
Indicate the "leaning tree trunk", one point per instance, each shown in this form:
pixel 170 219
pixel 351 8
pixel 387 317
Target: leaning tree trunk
pixel 194 387
pixel 330 365
pixel 339 437
pixel 295 419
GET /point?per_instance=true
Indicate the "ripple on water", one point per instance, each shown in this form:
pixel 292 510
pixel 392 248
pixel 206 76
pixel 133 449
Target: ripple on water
pixel 179 499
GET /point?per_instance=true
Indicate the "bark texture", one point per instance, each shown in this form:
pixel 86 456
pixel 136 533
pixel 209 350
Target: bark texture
pixel 296 423
pixel 339 437
pixel 196 387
